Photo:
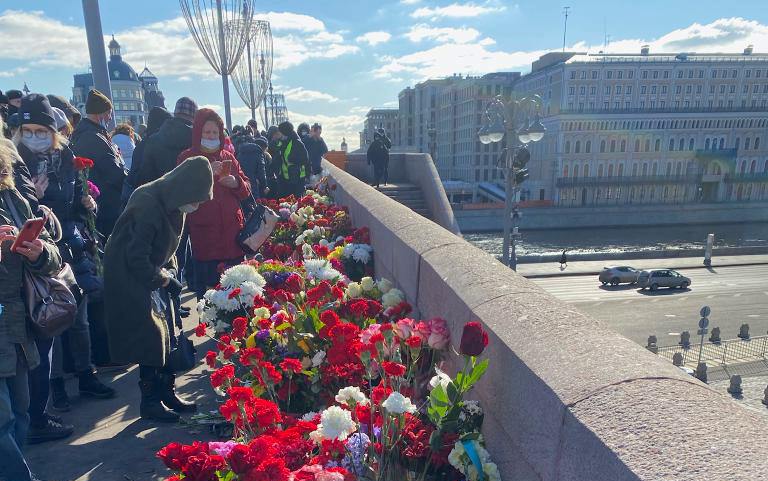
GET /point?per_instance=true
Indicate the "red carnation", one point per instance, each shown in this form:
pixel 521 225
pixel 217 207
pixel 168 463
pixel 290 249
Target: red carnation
pixel 291 364
pixel 235 292
pixel 221 375
pixel 474 339
pixel 239 327
pixel 294 284
pixel 251 356
pixel 210 359
pixel 329 318
pixel 393 368
pixel 413 342
pixel 82 163
pixel 200 330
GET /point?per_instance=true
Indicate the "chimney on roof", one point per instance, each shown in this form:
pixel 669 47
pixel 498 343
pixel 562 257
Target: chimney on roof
pixel 644 50
pixel 748 50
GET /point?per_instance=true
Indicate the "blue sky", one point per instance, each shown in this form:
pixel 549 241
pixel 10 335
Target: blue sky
pixel 336 59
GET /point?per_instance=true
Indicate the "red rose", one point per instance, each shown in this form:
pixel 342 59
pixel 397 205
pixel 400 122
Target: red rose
pixel 172 456
pixel 393 368
pixel 200 330
pixel 473 340
pixel 291 364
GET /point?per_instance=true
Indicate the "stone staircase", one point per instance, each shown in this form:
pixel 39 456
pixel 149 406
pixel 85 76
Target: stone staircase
pixel 409 195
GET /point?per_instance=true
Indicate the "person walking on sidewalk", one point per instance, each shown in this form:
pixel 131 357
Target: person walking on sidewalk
pixel 563 260
pixel 378 155
pixel 138 260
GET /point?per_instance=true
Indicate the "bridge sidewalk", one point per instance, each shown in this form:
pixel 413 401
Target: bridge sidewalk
pixel 586 268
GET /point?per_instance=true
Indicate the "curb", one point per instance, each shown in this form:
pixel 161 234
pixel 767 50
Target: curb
pixel 595 273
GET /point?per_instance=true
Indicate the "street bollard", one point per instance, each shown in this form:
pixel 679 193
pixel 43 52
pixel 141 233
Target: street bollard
pixel 735 387
pixel 677 359
pixel 652 344
pixel 685 339
pixel 765 396
pixel 701 372
pixel 744 332
pixel 714 337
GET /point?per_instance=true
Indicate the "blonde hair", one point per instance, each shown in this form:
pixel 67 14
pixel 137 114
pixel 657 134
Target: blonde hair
pixel 58 140
pixel 7 156
pixel 124 129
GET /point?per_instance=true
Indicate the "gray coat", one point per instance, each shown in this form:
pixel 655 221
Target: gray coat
pixel 15 336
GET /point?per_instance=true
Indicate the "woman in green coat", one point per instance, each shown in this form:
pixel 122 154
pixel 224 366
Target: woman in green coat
pixel 138 252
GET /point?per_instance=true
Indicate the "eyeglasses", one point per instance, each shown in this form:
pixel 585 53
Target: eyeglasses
pixel 40 134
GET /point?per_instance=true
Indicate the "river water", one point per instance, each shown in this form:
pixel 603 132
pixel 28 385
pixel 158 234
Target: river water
pixel 626 239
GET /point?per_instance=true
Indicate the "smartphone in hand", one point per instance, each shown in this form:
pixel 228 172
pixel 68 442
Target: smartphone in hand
pixel 226 168
pixel 31 231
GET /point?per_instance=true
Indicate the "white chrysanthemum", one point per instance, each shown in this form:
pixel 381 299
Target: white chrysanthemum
pixel 237 275
pixel 350 396
pixel 392 298
pixel 309 416
pixel 367 284
pixel 362 253
pixel 321 270
pixel 384 285
pixel 220 300
pixel 324 242
pixel 348 250
pixel 307 252
pixel 299 239
pixel 354 290
pixel 455 457
pixel 336 423
pixel 249 290
pixel 396 403
pixel 440 378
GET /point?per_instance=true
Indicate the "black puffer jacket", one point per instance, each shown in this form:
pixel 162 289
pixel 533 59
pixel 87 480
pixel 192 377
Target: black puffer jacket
pixel 91 140
pixel 157 117
pixel 253 162
pixel 162 150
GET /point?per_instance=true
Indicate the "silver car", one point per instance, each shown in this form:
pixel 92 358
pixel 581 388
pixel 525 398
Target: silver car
pixel 618 275
pixel 662 278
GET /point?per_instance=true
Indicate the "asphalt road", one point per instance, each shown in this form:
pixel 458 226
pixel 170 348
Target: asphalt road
pixel 736 295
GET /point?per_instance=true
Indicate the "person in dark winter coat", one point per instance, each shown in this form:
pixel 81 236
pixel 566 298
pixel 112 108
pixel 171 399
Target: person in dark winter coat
pixel 378 155
pixel 250 152
pixel 173 138
pixel 294 170
pixel 14 101
pixel 91 139
pixel 316 148
pixel 137 256
pixel 18 353
pixel 156 118
pixel 214 227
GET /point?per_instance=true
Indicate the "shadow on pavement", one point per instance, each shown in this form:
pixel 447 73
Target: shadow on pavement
pixel 111 442
pixel 663 291
pixel 620 287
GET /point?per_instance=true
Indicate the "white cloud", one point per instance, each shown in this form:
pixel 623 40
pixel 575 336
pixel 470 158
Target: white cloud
pixel 10 73
pixel 457 10
pixel 421 32
pixel 65 45
pixel 410 2
pixel 300 94
pixel 291 21
pixel 374 38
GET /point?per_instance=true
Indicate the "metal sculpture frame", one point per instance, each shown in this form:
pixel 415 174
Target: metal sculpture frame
pixel 222 47
pixel 253 77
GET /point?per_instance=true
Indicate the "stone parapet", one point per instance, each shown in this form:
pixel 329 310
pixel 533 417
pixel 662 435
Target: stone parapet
pixel 566 398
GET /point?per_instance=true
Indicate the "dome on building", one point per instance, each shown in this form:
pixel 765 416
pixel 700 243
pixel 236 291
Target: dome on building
pixel 118 69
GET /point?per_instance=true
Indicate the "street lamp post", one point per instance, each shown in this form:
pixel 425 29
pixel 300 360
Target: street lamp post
pixel 518 120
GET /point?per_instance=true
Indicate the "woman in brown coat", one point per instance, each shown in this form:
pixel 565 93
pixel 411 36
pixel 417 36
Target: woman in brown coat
pixel 138 253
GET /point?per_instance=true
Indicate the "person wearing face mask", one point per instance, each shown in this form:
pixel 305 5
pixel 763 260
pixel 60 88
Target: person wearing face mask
pixel 91 139
pixel 57 186
pixel 213 228
pixel 139 259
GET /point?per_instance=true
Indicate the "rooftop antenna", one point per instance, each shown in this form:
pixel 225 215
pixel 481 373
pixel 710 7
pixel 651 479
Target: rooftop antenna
pixel 565 24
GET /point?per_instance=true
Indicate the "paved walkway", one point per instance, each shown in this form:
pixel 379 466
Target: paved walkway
pixel 110 442
pixel 584 268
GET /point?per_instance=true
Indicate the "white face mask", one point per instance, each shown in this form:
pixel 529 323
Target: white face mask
pixel 210 144
pixel 189 208
pixel 37 145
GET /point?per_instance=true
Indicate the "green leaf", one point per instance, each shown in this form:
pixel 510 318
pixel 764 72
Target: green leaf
pixel 283 326
pixel 477 372
pixel 453 393
pixel 436 441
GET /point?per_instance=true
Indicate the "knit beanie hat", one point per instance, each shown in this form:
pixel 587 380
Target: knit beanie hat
pixel 285 128
pixel 60 117
pixel 59 102
pixel 97 103
pixel 14 94
pixel 35 109
pixel 185 109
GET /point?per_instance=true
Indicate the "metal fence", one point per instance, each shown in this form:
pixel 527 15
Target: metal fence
pixel 726 352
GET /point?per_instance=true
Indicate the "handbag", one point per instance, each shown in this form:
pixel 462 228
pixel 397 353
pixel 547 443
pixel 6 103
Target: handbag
pixel 257 229
pixel 50 303
pixel 182 357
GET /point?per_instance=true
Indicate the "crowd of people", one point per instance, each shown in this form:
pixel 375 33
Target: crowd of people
pixel 143 211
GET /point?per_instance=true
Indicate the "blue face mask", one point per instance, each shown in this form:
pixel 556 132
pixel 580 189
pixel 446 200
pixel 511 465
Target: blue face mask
pixel 37 145
pixel 209 144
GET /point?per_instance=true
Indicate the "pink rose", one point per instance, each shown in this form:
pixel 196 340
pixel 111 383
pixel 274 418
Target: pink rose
pixel 404 328
pixel 439 336
pixel 368 332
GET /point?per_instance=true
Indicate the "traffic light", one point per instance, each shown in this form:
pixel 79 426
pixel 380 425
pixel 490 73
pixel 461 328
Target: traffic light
pixel 522 156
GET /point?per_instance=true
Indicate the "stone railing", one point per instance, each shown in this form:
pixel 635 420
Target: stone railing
pixel 565 397
pixel 418 169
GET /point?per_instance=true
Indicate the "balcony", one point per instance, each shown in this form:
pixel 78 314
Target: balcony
pixel 753 177
pixel 659 110
pixel 627 180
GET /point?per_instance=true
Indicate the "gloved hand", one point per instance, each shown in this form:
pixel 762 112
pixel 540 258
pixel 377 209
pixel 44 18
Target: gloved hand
pixel 174 287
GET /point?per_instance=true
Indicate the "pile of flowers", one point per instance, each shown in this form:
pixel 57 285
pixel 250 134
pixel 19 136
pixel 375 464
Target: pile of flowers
pixel 325 377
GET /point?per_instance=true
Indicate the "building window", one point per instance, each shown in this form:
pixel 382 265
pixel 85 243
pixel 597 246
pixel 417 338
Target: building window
pixel 623 146
pixel 576 171
pixel 565 171
pixel 613 146
pixel 690 144
pixel 738 143
pixel 634 169
pixel 671 145
pixel 567 146
pixel 655 170
pixel 722 144
pixel 577 147
pixel 602 146
pixel 588 147
pixel 642 90
pixel 609 74
pixel 746 143
pixel 757 143
pixel 681 145
pixel 586 170
pixel 706 144
pixel 657 146
pixel 600 170
pixel 637 145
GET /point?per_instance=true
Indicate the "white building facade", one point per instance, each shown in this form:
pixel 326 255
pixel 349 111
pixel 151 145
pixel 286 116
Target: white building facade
pixel 649 128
